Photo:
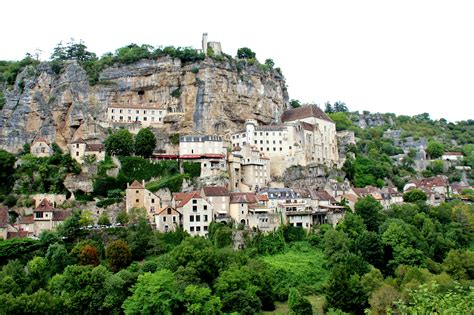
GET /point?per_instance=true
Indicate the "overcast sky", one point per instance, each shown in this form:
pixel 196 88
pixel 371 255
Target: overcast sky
pixel 404 57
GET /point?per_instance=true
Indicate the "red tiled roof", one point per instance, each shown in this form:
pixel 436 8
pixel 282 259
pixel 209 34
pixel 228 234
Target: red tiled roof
pixel 41 139
pixel 160 211
pixel 304 112
pixel 303 193
pixel 323 195
pixel 136 185
pixel 262 197
pixel 179 196
pixel 243 198
pixel 236 148
pixel 95 147
pixel 453 153
pixel 45 205
pixel 61 215
pixel 199 156
pixel 3 216
pixel 215 191
pixel 78 140
pixel 27 219
pixel 188 197
pixel 431 182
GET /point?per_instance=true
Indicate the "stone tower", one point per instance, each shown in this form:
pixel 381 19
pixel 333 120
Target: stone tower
pixel 204 43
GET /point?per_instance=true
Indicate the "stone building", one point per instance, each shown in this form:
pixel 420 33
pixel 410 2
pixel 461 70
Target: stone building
pixel 208 150
pixel 196 211
pixel 249 168
pixel 167 219
pixel 41 148
pixel 47 218
pixel 219 198
pixel 137 196
pixel 79 150
pixel 307 135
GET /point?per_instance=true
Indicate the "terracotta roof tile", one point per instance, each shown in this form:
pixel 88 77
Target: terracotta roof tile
pixel 27 219
pixel 188 197
pixel 136 185
pixel 45 205
pixel 61 215
pixel 243 198
pixel 40 139
pixel 94 147
pixel 78 140
pixel 215 191
pixel 304 112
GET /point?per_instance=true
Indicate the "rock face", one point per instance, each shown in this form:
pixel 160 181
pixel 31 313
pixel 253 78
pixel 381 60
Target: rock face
pixel 209 96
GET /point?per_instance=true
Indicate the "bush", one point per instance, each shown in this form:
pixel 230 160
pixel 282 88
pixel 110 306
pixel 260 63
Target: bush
pixel 298 304
pixel 174 139
pixel 10 201
pixel 193 169
pixel 118 255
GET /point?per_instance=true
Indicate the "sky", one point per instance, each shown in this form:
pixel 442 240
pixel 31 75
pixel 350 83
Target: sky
pixel 403 57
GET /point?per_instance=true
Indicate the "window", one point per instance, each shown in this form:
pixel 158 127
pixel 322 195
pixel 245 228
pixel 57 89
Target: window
pixel 191 218
pixel 195 208
pixel 112 117
pixel 205 207
pixel 198 229
pixel 174 219
pixel 38 215
pixel 191 229
pixel 195 201
pixel 164 219
pixel 136 191
pixel 144 118
pixel 169 211
pixel 205 227
pixel 153 201
pixel 138 112
pixel 198 218
pixel 120 111
pixel 113 110
pixel 77 153
pixel 136 200
pixel 205 218
pixel 290 147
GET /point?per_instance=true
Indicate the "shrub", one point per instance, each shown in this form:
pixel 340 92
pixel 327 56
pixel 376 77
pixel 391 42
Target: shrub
pixel 176 93
pixel 10 201
pixel 298 304
pixel 118 255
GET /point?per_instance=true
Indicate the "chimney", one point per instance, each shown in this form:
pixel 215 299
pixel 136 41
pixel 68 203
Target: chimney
pixel 143 182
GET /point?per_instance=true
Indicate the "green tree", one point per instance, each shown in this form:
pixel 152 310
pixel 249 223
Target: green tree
pixel 122 218
pixel 269 63
pixel 120 143
pixel 295 103
pixel 118 254
pixel 341 120
pixel 89 256
pixel 86 218
pixel 415 195
pixel 298 304
pixel 245 53
pixel 103 219
pixel 328 108
pixel 145 143
pixel 199 300
pixel 460 264
pixel 340 107
pixel 154 293
pixel 435 149
pixel 7 162
pixel 369 210
pixel 58 258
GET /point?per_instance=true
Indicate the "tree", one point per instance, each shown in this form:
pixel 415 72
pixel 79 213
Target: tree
pixel 120 143
pixel 269 63
pixel 154 293
pixel 460 264
pixel 223 236
pixel 71 227
pixel 435 149
pixel 118 255
pixel 145 143
pixel 341 120
pixel 7 163
pixel 369 209
pixel 122 218
pixel 415 195
pixel 298 304
pixel 86 218
pixel 103 219
pixel 199 300
pixel 58 258
pixel 295 103
pixel 245 53
pixel 328 108
pixel 340 107
pixel 89 256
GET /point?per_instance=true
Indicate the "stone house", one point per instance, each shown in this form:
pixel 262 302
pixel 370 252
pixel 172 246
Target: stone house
pixel 47 218
pixel 140 108
pixel 219 198
pixel 452 156
pixel 249 168
pixel 41 148
pixel 208 150
pixel 137 196
pixel 197 212
pixel 79 149
pixel 167 219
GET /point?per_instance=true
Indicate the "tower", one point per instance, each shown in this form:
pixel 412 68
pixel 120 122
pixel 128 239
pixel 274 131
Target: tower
pixel 250 125
pixel 204 43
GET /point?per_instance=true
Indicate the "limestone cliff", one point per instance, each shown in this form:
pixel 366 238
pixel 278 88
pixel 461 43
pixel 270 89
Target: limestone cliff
pixel 209 96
